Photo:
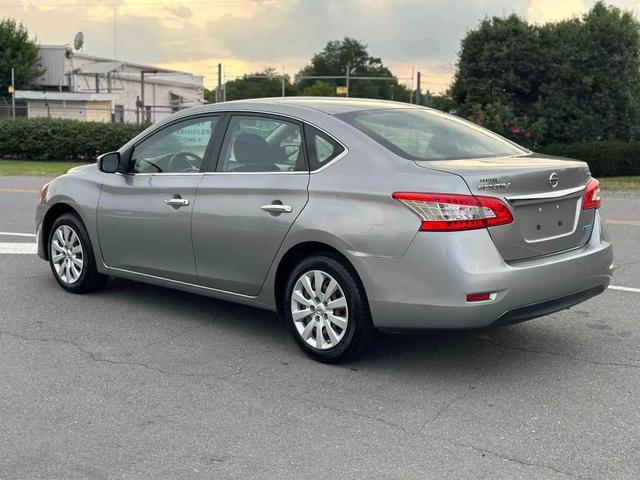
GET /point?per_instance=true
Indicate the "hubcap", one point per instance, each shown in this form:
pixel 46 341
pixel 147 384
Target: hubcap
pixel 66 254
pixel 319 310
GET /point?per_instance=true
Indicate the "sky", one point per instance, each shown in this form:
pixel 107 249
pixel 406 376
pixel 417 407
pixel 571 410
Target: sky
pixel 250 35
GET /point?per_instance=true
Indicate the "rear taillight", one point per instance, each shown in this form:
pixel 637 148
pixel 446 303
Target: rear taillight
pixel 591 195
pixel 441 212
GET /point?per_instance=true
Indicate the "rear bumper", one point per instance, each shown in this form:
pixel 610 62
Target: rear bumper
pixel 426 288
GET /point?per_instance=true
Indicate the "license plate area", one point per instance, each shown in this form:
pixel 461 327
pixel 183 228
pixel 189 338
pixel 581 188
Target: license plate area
pixel 547 219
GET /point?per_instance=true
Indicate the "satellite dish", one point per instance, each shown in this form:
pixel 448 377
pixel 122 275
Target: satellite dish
pixel 78 41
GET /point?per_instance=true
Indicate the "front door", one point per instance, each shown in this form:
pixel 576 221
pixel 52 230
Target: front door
pixel 247 204
pixel 144 215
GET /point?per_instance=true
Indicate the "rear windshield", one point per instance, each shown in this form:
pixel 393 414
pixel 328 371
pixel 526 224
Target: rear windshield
pixel 427 135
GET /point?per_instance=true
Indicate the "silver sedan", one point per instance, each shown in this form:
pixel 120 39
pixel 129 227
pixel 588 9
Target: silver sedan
pixel 345 216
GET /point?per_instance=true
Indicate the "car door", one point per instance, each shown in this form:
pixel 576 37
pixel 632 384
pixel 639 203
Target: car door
pixel 144 215
pixel 248 201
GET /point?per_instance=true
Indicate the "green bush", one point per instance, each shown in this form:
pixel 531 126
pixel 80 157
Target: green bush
pixel 58 139
pixel 608 158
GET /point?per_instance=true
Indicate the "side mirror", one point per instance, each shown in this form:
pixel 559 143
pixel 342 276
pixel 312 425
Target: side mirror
pixel 109 162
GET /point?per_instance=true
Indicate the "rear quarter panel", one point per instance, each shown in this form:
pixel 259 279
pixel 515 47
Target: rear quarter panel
pixel 351 207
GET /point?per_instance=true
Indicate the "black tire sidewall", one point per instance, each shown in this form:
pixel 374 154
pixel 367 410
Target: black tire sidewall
pixel 359 323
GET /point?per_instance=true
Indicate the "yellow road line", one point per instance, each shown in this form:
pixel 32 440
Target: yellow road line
pixel 624 222
pixel 18 190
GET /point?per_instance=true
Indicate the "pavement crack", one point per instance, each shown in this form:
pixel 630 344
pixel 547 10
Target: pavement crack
pixel 95 358
pixel 358 414
pixel 179 334
pixel 510 458
pixel 558 354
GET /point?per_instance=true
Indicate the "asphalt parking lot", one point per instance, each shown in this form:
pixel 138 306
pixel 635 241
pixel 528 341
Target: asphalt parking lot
pixel 139 381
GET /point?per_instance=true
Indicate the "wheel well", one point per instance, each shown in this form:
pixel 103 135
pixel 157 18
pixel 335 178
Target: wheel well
pixel 53 213
pixel 295 255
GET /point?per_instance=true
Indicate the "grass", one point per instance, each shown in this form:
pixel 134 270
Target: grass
pixel 35 168
pixel 620 183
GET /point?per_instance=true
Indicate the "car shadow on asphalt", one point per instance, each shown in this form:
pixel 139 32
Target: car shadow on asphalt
pixel 415 350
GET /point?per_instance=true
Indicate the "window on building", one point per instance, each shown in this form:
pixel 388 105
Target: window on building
pixel 118 114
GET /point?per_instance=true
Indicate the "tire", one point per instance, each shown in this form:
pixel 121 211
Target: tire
pixel 336 344
pixel 69 244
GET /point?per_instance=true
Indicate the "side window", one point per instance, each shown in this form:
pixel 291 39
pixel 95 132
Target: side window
pixel 322 148
pixel 262 144
pixel 179 148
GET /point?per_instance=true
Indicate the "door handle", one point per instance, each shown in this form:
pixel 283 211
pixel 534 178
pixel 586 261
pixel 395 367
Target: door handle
pixel 177 202
pixel 277 208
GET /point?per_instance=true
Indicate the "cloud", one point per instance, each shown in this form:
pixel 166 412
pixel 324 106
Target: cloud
pixel 249 36
pixel 541 11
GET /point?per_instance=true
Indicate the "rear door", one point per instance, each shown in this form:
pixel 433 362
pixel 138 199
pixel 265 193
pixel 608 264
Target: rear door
pixel 248 200
pixel 144 215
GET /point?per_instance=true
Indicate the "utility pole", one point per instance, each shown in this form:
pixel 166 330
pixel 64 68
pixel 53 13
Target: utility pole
pixel 412 75
pixel 13 94
pixel 418 91
pixel 283 93
pixel 219 89
pixel 142 112
pixel 348 73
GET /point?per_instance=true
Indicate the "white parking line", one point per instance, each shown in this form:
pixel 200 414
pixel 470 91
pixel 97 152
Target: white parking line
pixel 634 223
pixel 14 234
pixel 18 248
pixel 625 289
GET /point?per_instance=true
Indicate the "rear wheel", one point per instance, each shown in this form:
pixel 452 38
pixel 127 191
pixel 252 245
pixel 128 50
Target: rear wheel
pixel 71 256
pixel 326 309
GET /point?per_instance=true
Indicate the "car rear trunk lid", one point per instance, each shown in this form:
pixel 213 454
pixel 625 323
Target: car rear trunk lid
pixel 543 193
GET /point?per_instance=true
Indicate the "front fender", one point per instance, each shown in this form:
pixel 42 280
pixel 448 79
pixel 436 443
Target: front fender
pixel 79 193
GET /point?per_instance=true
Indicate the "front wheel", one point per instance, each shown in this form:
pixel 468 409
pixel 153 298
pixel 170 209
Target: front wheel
pixel 71 256
pixel 326 309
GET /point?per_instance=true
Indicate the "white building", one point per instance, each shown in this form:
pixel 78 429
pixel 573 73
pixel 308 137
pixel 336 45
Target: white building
pixel 86 87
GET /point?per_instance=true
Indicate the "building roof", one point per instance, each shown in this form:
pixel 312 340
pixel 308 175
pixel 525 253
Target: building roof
pixel 95 58
pixel 64 96
pixel 56 70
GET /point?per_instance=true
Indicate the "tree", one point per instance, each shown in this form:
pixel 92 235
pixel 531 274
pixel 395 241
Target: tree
pixel 499 62
pixel 333 61
pixel 267 83
pixel 573 81
pixel 19 52
pixel 320 89
pixel 591 89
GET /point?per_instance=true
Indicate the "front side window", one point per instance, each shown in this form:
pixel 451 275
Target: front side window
pixel 262 144
pixel 425 135
pixel 179 148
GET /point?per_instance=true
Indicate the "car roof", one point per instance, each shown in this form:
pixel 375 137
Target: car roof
pixel 328 105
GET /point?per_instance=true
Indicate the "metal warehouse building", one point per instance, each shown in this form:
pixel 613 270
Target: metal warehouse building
pixel 85 87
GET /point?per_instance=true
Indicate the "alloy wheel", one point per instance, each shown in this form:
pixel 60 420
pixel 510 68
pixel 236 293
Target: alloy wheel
pixel 66 254
pixel 319 309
